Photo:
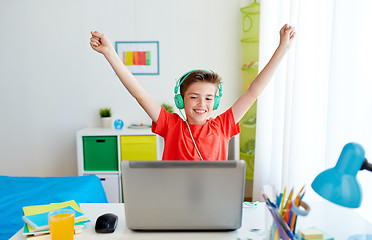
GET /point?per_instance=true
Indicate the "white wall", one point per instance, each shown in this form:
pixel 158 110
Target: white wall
pixel 53 83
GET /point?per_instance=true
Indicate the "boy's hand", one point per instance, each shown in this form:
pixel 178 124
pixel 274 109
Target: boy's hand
pixel 287 34
pixel 100 43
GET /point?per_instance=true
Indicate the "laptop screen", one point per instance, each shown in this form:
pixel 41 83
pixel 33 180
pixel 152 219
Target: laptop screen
pixel 180 195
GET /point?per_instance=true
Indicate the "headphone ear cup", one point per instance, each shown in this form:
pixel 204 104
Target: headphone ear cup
pixel 217 100
pixel 178 100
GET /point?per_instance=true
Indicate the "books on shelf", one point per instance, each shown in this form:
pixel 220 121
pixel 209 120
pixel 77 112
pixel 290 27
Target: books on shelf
pixel 36 217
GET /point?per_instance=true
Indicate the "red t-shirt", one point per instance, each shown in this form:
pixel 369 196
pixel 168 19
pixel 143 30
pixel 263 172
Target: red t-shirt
pixel 212 138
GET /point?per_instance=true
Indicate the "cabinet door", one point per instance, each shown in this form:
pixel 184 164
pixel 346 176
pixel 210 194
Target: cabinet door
pixel 110 184
pixel 100 153
pixel 138 147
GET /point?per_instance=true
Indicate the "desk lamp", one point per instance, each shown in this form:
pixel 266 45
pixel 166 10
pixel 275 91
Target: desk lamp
pixel 339 184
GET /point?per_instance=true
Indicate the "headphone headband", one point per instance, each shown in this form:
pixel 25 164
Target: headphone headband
pixel 184 76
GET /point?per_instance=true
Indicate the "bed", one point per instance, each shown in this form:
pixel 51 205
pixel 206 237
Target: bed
pixel 17 192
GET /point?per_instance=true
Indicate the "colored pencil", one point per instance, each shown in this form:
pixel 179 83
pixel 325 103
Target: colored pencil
pixel 282 203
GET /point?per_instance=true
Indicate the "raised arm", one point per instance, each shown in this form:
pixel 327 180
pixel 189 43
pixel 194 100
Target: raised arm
pixel 101 44
pixel 241 106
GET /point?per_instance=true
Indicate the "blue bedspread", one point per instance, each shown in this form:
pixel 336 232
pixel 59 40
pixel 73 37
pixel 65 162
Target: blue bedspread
pixel 17 192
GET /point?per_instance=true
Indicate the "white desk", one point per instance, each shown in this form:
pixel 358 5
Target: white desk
pixel 94 210
pixel 337 221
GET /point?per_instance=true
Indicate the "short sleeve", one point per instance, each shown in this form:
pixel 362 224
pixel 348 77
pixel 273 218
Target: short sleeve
pixel 165 120
pixel 229 127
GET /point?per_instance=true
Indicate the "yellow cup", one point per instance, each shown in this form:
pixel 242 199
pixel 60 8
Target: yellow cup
pixel 61 224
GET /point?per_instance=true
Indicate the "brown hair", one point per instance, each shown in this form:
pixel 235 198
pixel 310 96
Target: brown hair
pixel 199 76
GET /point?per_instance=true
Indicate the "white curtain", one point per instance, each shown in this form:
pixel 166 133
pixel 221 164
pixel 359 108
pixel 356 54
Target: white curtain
pixel 320 97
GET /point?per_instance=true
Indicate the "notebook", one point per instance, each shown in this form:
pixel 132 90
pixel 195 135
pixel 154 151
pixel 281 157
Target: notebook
pixel 183 195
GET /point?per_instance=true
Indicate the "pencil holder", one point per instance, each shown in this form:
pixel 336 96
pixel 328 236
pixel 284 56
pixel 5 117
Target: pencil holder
pixel 284 223
pixel 279 229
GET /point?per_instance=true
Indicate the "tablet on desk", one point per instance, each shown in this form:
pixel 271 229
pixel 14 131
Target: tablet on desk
pixel 183 195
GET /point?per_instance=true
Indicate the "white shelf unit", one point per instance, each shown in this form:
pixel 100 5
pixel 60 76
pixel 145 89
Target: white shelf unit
pixel 111 179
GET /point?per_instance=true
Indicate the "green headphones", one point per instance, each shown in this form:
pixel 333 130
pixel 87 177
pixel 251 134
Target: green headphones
pixel 179 100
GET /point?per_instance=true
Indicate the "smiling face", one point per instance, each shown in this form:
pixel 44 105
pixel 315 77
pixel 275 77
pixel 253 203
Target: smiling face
pixel 199 101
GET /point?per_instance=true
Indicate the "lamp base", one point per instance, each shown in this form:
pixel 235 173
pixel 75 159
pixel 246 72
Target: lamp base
pixel 360 237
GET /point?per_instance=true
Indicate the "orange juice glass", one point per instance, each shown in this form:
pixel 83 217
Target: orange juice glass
pixel 61 224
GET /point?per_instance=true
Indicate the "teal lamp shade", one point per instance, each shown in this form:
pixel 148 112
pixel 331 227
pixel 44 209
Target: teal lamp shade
pixel 339 184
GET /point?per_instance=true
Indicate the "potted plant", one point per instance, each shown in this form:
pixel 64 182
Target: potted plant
pixel 168 107
pixel 105 117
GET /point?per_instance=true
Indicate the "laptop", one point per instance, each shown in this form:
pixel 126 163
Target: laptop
pixel 183 195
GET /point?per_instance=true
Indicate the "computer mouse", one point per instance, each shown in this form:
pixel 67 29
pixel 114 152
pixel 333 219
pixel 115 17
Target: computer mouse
pixel 106 223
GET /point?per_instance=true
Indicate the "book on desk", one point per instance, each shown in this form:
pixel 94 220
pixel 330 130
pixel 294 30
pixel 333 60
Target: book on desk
pixel 36 217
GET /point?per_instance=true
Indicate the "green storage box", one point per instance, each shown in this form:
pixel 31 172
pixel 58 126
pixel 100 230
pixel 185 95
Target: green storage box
pixel 100 153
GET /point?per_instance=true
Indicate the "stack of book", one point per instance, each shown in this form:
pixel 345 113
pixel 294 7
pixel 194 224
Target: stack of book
pixel 36 218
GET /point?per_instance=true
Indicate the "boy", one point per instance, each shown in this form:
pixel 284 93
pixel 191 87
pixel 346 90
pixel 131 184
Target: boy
pixel 198 137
